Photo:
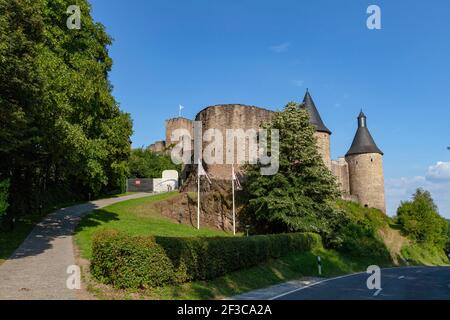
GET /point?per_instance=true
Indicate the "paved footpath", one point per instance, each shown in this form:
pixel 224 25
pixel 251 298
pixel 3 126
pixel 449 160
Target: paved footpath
pixel 38 268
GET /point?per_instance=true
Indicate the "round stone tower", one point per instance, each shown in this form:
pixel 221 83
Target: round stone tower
pixel 322 132
pixel 365 164
pixel 230 116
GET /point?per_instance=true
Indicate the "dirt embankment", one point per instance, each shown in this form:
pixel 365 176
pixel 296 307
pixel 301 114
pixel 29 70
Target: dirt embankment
pixel 216 206
pixel 394 242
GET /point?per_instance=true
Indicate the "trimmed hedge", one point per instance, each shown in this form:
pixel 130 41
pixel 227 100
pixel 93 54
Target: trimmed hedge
pixel 138 262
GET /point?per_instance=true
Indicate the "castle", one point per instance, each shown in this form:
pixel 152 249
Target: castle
pixel 359 173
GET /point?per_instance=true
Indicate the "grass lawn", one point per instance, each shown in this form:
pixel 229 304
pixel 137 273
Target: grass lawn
pixel 11 240
pixel 135 217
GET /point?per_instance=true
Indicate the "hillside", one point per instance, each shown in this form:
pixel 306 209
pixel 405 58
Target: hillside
pixel 372 233
pixel 370 238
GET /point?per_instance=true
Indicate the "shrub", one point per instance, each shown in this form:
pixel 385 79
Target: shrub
pixel 359 235
pixel 136 262
pixel 4 188
pixel 421 221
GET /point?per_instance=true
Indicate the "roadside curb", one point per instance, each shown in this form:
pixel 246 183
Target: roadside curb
pixel 276 290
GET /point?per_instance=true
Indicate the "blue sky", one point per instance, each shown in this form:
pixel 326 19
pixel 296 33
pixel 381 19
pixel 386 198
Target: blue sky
pixel 266 53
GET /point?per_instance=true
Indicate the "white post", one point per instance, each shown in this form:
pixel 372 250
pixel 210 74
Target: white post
pixel 319 265
pixel 234 209
pixel 198 196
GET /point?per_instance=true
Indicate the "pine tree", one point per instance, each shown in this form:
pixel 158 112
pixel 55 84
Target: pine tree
pixel 300 196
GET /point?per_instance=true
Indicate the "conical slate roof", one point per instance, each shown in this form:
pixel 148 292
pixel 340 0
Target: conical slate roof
pixel 363 141
pixel 314 115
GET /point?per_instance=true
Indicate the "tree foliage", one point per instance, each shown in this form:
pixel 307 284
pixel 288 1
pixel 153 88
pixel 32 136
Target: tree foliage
pixel 146 164
pixel 300 196
pixel 420 220
pixel 62 133
pixel 4 187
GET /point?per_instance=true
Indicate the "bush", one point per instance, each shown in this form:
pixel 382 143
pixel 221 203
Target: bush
pixel 421 221
pixel 138 262
pixel 360 238
pixel 144 163
pixel 4 188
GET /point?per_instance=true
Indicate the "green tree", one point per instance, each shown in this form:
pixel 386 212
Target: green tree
pixel 62 134
pixel 4 187
pixel 146 164
pixel 301 195
pixel 420 220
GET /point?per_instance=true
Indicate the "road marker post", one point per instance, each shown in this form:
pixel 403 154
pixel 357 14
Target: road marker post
pixel 319 265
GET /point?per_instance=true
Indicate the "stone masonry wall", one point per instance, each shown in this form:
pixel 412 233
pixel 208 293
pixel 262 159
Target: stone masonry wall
pixel 178 123
pixel 323 144
pixel 339 168
pixel 158 146
pixel 367 179
pixel 231 116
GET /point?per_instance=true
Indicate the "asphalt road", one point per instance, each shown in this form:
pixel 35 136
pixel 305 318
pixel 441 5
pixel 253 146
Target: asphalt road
pixel 409 283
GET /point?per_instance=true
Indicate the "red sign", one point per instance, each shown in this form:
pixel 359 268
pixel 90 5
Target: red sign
pixel 137 182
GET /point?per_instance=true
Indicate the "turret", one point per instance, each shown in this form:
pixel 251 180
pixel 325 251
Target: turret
pixel 365 163
pixel 322 132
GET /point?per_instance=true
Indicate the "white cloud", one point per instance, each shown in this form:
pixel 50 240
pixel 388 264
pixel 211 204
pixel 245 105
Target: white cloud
pixel 436 181
pixel 440 172
pixel 298 83
pixel 282 47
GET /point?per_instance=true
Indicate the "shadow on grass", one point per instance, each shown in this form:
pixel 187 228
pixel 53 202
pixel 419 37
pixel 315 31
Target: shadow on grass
pixel 96 218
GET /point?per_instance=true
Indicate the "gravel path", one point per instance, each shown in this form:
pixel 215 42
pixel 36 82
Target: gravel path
pixel 38 268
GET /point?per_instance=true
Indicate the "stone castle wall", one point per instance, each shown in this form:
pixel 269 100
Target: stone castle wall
pixel 231 116
pixel 367 179
pixel 158 146
pixel 360 176
pixel 178 123
pixel 339 168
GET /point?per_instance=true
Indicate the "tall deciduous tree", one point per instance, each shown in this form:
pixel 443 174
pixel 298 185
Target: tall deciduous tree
pixel 146 164
pixel 62 134
pixel 421 221
pixel 300 197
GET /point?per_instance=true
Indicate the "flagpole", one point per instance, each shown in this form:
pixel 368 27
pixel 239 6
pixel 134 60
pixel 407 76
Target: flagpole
pixel 198 195
pixel 180 107
pixel 234 210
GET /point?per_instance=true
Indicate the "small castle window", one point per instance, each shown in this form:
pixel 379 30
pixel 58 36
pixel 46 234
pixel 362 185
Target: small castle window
pixel 371 159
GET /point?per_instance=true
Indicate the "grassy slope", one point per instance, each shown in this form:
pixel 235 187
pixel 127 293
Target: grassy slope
pixel 140 217
pixel 135 217
pixel 401 249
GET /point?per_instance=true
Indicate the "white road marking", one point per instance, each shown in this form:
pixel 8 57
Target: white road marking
pixel 336 278
pixel 401 277
pixel 377 292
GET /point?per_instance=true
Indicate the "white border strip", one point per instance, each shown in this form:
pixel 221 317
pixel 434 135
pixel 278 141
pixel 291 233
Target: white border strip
pixel 337 278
